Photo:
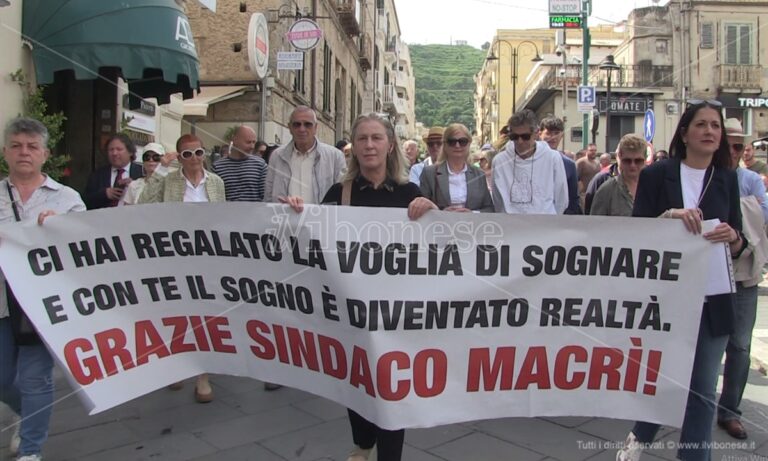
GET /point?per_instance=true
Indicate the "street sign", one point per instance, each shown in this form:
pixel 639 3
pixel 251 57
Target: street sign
pixel 564 21
pixel 649 125
pixel 564 7
pixel 290 56
pixel 304 34
pixel 290 60
pixel 585 97
pixel 290 65
pixel 258 45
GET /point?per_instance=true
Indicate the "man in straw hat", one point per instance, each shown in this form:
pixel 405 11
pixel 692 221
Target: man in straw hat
pixel 747 273
pixel 434 141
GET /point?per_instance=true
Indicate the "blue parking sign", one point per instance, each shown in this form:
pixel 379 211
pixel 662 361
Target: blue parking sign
pixel 585 98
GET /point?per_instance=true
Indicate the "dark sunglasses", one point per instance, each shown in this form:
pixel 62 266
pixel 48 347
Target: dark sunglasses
pixel 187 154
pixel 434 143
pixel 151 156
pixel 636 161
pixel 306 125
pixel 710 102
pixel 457 142
pixel 737 147
pixel 524 136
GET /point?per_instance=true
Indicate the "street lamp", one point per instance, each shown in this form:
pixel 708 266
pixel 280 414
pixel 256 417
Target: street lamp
pixel 514 50
pixel 609 66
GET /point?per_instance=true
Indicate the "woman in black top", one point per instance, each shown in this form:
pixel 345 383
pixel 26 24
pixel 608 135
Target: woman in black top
pixel 376 177
pixel 695 184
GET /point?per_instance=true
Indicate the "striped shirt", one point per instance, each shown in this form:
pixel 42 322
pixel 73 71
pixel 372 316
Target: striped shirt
pixel 243 178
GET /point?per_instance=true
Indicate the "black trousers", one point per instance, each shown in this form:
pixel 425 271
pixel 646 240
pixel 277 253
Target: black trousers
pixel 365 434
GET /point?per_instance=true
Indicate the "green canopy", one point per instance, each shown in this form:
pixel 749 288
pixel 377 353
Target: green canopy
pixel 150 41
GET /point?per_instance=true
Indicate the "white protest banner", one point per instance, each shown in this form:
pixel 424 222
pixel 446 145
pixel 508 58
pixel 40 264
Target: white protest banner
pixel 454 317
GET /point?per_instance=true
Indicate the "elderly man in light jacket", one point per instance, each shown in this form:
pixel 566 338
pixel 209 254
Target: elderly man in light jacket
pixel 305 167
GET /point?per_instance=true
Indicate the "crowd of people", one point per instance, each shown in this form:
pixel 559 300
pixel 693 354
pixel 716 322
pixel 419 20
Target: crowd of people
pixel 523 173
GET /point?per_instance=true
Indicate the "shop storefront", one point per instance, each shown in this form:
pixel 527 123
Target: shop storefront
pixel 627 112
pixel 90 53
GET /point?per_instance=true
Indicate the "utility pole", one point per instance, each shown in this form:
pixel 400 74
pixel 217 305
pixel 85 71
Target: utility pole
pixel 586 10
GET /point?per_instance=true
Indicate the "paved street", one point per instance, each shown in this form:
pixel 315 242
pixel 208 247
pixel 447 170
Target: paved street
pixel 247 423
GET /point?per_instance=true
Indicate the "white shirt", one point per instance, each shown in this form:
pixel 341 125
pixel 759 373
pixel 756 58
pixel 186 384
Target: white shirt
pixel 414 175
pixel 692 182
pixel 49 196
pixel 302 164
pixel 457 186
pixel 126 174
pixel 197 194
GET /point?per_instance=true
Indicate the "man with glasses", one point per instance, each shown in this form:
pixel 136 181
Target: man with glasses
pixel 616 196
pixel 747 273
pixel 305 167
pixel 243 171
pixel 528 176
pixel 434 141
pixel 551 131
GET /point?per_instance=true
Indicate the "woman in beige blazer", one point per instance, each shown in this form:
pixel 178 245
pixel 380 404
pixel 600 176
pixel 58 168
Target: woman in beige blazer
pixel 190 183
pixel 452 183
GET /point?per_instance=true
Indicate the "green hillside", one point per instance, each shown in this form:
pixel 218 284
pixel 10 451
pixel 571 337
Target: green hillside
pixel 444 83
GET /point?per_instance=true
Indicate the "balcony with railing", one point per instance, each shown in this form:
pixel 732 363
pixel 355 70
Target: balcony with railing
pixel 392 101
pixel 390 50
pixel 549 79
pixel 740 77
pixel 346 11
pixel 366 51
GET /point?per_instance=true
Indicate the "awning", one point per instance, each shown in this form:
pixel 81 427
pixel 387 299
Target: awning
pixel 149 41
pixel 198 106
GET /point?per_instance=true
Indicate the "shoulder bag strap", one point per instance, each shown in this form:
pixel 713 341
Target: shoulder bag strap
pixel 13 202
pixel 346 193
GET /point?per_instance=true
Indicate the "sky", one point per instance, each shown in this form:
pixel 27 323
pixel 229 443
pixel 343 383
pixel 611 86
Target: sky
pixel 476 21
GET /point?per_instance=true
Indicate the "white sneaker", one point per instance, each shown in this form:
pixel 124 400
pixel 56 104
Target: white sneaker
pixel 358 454
pixel 631 450
pixel 13 447
pixel 30 458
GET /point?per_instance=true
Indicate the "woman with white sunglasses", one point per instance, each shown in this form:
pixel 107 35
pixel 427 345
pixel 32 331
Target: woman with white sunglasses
pixel 190 183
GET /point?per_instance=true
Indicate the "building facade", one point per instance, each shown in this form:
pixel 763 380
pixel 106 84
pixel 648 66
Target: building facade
pixel 351 70
pixel 666 56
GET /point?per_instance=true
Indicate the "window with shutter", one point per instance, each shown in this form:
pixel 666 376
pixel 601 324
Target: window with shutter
pixel 731 45
pixel 745 48
pixel 738 44
pixel 707 35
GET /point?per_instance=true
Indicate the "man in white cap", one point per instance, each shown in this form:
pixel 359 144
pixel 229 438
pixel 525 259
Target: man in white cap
pixel 747 273
pixel 434 141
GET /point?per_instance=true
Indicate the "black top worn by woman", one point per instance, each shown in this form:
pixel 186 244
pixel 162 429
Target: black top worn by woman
pixel 389 194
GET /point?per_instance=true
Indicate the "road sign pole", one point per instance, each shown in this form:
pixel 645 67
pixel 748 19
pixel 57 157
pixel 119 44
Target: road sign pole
pixel 585 10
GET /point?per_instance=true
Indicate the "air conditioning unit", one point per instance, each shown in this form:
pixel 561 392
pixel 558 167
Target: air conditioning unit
pixel 672 108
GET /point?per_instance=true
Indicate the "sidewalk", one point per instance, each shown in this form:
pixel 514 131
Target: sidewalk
pixel 246 423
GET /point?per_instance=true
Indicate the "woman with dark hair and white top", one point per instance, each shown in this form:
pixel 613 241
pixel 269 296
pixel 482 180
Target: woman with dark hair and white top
pixel 693 185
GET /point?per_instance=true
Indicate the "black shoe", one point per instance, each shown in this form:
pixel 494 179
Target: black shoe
pixel 271 386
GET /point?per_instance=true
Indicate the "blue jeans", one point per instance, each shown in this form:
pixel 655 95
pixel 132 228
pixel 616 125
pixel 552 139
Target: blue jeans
pixel 737 360
pixel 26 385
pixel 696 433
